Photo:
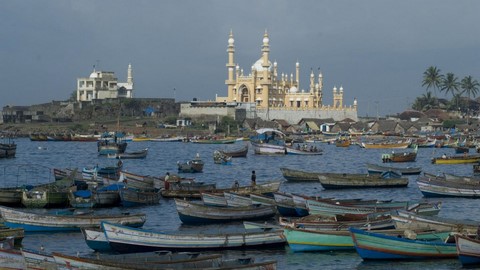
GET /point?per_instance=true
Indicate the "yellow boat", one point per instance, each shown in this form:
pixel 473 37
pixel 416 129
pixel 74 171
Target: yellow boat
pixel 462 159
pixel 398 145
pixel 140 139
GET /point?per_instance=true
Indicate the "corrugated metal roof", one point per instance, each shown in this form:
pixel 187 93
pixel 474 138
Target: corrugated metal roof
pixel 312 125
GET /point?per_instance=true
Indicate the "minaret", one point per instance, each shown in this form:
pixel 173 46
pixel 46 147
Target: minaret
pixel 266 65
pixel 297 75
pixel 312 82
pixel 129 74
pixel 230 82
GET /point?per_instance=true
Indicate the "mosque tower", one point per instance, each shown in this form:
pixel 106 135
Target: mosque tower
pixel 230 82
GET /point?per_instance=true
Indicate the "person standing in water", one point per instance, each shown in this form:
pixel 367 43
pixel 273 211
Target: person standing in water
pixel 253 178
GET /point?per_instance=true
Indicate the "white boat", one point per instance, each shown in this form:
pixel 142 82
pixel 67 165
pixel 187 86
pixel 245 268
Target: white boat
pixel 269 141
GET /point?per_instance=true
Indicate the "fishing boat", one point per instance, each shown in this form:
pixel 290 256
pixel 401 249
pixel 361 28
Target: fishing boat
pixel 386 145
pixel 109 147
pixel 298 175
pixel 468 249
pixel 45 196
pixel 268 141
pixel 263 188
pixel 214 141
pixel 374 168
pixel 409 220
pixel 459 159
pixel 400 156
pixel 11 258
pixel 220 158
pixel 8 150
pixel 95 239
pixel 11 195
pixel 130 155
pixel 375 246
pixel 236 152
pixel 298 149
pixel 125 239
pixel 438 187
pixel 346 180
pixel 16 234
pixel 300 240
pixel 343 142
pixel 30 221
pixel 213 199
pixel 130 197
pixel 38 259
pixel 197 213
pixel 168 139
pixel 101 197
pixel 192 166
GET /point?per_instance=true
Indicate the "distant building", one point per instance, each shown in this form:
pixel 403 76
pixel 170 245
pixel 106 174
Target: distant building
pixel 279 96
pixel 104 85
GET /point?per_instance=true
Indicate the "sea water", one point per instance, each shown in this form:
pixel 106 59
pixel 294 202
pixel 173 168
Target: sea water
pixel 35 160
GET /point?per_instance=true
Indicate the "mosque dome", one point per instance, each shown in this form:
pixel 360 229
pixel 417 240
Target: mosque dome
pixel 293 89
pixel 231 41
pixel 94 75
pixel 258 65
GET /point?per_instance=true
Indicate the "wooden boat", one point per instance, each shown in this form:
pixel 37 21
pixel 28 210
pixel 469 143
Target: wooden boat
pixel 8 150
pixel 412 221
pixel 376 246
pixel 285 204
pixel 198 213
pixel 137 181
pixel 461 149
pixel 343 142
pixel 400 156
pixel 268 141
pixel 11 196
pixel 438 187
pixel 112 172
pixel 16 234
pixel 29 221
pixel 236 152
pixel 38 259
pixel 214 141
pixel 236 200
pixel 300 240
pixel 339 222
pixel 133 197
pixel 110 147
pixel 168 139
pixel 95 239
pixel 220 158
pixel 213 199
pixel 374 168
pixel 125 239
pixel 304 150
pixel 192 166
pixel 264 188
pixel 11 258
pixel 345 180
pixel 130 155
pixel 298 175
pixel 468 250
pixel 384 145
pixel 460 159
pixel 45 196
pixel 262 199
pixel 105 196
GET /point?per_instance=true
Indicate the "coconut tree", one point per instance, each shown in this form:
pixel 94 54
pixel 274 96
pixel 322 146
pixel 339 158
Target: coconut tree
pixel 469 86
pixel 450 84
pixel 432 79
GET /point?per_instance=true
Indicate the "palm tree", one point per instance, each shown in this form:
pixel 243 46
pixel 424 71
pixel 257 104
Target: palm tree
pixel 432 78
pixel 449 83
pixel 470 86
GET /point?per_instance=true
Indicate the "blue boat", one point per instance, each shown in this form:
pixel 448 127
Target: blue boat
pixel 376 246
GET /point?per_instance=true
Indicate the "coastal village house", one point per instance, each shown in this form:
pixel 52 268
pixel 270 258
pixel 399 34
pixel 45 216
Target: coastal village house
pixel 267 94
pixel 104 85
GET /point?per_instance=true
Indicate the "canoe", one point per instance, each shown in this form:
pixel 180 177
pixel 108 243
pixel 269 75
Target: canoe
pixel 398 145
pixel 11 259
pixel 376 246
pixel 400 156
pixel 133 197
pixel 125 239
pixel 167 139
pixel 191 166
pixel 298 175
pixel 236 152
pixel 461 159
pixel 445 188
pixel 306 152
pixel 374 168
pixel 345 180
pixel 95 239
pixel 130 155
pixel 339 222
pixel 411 221
pixel 133 180
pixel 300 240
pixel 38 259
pixel 213 200
pixel 46 222
pixel 236 200
pixel 197 213
pixel 264 188
pixel 216 141
pixel 468 250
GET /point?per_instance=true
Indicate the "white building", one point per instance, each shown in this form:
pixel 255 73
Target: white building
pixel 103 85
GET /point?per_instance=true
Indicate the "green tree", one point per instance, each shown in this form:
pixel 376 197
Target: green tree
pixel 469 86
pixel 432 79
pixel 449 84
pixel 424 102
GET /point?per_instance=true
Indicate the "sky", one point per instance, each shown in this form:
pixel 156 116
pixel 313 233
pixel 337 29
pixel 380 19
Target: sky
pixel 377 50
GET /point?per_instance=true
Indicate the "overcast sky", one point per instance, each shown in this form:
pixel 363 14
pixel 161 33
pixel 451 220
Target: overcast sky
pixel 376 50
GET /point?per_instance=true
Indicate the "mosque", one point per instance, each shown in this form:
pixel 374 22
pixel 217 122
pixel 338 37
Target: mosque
pixel 278 96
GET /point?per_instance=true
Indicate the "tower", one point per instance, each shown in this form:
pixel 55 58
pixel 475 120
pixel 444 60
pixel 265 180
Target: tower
pixel 129 74
pixel 230 82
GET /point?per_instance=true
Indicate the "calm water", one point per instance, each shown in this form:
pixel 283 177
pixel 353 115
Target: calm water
pixel 34 161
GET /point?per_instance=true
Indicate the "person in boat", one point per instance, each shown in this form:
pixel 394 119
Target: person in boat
pixel 253 178
pixel 167 182
pixel 235 185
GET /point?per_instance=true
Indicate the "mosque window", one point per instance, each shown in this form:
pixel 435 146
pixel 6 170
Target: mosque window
pixel 81 84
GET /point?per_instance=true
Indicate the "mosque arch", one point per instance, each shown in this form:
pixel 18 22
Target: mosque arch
pixel 244 94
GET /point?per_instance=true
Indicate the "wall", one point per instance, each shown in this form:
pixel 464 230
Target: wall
pixel 294 116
